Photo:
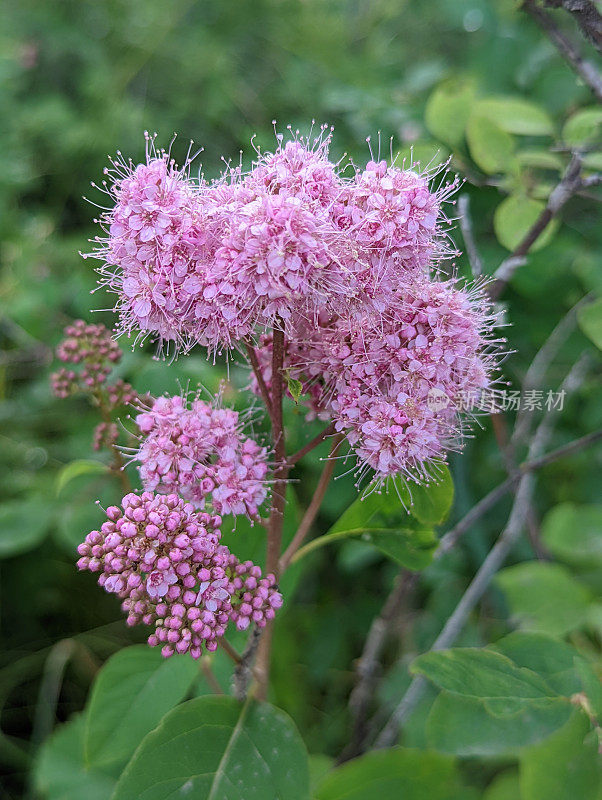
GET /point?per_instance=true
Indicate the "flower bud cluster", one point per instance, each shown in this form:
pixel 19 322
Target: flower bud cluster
pixel 94 352
pixel 165 561
pixel 198 450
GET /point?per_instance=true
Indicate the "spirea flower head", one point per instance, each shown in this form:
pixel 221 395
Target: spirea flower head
pixel 395 381
pixel 148 249
pixel 198 450
pixel 165 561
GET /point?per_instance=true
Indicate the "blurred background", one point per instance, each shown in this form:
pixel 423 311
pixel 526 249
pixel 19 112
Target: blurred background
pixel 81 79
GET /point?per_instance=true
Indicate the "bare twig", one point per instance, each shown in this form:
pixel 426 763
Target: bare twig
pixel 317 440
pixel 254 361
pixel 494 560
pixel 244 669
pixel 276 519
pixel 314 506
pixel 586 15
pixel 541 363
pixel 472 251
pixel 585 69
pixel 570 183
pixel 368 665
pixel 210 676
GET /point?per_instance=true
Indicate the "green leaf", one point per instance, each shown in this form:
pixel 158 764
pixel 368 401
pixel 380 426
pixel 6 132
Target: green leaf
pixel 515 115
pixel 411 547
pixel 564 767
pixel 448 109
pixel 475 672
pixel 544 597
pixel 294 386
pixel 380 519
pixel 429 504
pixel 214 748
pixel 398 772
pixel 592 686
pixel 590 322
pixel 515 216
pixel 583 127
pixel 542 159
pixel 555 661
pixel 23 525
pixel 468 726
pixel 574 533
pixel 82 466
pixel 491 147
pixel 131 694
pixel 503 787
pixel 60 772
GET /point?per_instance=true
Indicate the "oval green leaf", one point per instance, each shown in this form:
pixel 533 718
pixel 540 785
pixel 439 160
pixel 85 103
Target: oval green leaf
pixel 515 115
pixel 130 696
pixel 23 525
pixel 60 772
pixel 214 748
pixel 545 597
pixel 448 109
pixel 82 466
pixel 491 147
pixel 583 127
pixel 515 216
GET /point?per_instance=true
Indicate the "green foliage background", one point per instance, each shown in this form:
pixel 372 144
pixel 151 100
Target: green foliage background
pixel 82 78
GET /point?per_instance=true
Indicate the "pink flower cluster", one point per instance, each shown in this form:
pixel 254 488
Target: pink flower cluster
pixel 165 561
pixel 198 450
pixel 211 263
pixel 394 382
pixel 343 260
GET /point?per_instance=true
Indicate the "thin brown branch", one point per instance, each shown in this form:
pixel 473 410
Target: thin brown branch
pixel 368 666
pixel 314 506
pixel 587 17
pixel 317 440
pixel 562 192
pixel 210 676
pixel 254 361
pixel 585 69
pixel 276 518
pixel 244 669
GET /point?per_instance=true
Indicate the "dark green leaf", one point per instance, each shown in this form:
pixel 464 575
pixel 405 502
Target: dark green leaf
pixel 481 673
pixel 23 525
pixel 554 660
pixel 214 748
pixel 544 597
pixel 399 772
pixel 131 694
pixel 467 726
pixel 566 766
pixel 60 772
pixel 574 533
pixel 75 469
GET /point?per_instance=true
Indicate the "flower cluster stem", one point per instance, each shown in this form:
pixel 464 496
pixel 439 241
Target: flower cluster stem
pixel 276 518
